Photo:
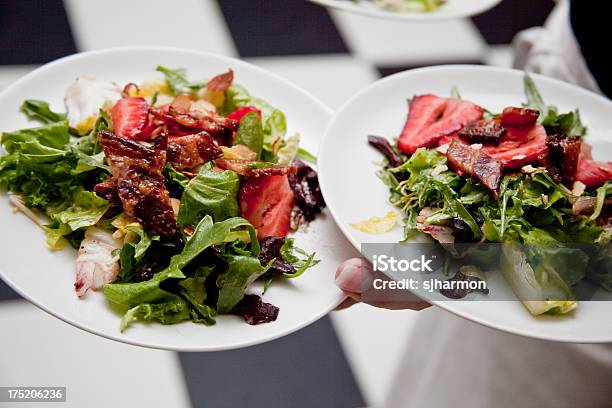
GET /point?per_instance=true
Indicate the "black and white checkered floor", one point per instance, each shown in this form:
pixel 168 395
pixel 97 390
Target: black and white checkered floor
pixel 343 361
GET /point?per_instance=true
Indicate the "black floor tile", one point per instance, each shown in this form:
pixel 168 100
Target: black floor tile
pixel 6 293
pixel 500 24
pixel 34 32
pixel 281 27
pixel 305 369
pixel 384 71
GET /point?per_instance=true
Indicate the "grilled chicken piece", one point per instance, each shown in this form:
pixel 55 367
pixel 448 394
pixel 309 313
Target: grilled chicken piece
pixel 138 170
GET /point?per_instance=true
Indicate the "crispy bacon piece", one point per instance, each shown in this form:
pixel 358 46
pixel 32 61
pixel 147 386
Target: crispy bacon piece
pixel 187 152
pixel 485 169
pixel 519 117
pixel 562 159
pixel 140 181
pixel 249 168
pixel 483 131
pixel 221 82
pixel 181 121
pixel 108 190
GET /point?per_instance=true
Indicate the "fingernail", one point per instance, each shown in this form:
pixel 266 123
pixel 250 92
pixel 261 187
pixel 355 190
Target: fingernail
pixel 348 276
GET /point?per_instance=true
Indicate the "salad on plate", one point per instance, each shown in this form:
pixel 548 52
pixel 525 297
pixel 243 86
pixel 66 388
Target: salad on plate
pixel 523 177
pixel 178 195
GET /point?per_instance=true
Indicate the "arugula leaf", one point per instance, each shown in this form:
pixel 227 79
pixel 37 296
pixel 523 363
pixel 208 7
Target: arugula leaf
pixel 534 99
pixel 210 193
pixel 567 123
pixel 300 259
pixel 40 111
pixel 177 80
pixel 250 133
pixel 83 210
pixel 602 193
pixel 306 155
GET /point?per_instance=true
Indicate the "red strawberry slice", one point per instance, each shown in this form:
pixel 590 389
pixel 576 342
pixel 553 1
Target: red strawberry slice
pixel 514 153
pixel 430 118
pixel 130 118
pixel 593 173
pixel 239 113
pixel 267 202
pixel 512 116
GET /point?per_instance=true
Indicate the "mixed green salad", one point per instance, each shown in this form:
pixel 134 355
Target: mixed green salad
pixel 178 195
pixel 523 177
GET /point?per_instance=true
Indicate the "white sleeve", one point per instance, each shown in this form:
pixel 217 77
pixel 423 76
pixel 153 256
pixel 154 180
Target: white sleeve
pixel 552 50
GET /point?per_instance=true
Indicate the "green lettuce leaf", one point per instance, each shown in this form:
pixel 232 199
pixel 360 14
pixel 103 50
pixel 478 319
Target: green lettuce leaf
pixel 173 311
pixel 210 193
pixel 273 120
pixel 206 234
pixel 250 133
pixel 242 271
pixel 84 210
pixel 40 111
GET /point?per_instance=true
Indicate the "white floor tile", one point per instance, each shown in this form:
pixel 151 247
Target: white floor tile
pixel 40 350
pixel 195 24
pixel 373 340
pixel 410 43
pixel 11 73
pixel 333 79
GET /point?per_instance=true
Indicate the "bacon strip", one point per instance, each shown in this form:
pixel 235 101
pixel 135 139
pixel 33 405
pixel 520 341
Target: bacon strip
pixel 181 122
pixel 485 169
pixel 187 152
pixel 138 170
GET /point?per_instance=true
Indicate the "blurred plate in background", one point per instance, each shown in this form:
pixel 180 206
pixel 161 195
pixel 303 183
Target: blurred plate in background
pixel 450 9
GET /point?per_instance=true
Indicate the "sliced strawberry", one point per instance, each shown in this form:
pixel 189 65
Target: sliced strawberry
pixel 267 202
pixel 514 153
pixel 519 117
pixel 430 118
pixel 422 112
pixel 239 113
pixel 593 173
pixel 130 118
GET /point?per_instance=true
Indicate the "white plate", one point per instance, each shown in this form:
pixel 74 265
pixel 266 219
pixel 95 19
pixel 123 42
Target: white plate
pixel 452 9
pixel 353 192
pixel 46 278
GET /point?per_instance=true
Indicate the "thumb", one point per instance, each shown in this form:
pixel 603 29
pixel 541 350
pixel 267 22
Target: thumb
pixel 349 276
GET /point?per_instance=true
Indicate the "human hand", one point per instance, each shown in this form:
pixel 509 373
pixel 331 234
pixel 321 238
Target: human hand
pixel 353 275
